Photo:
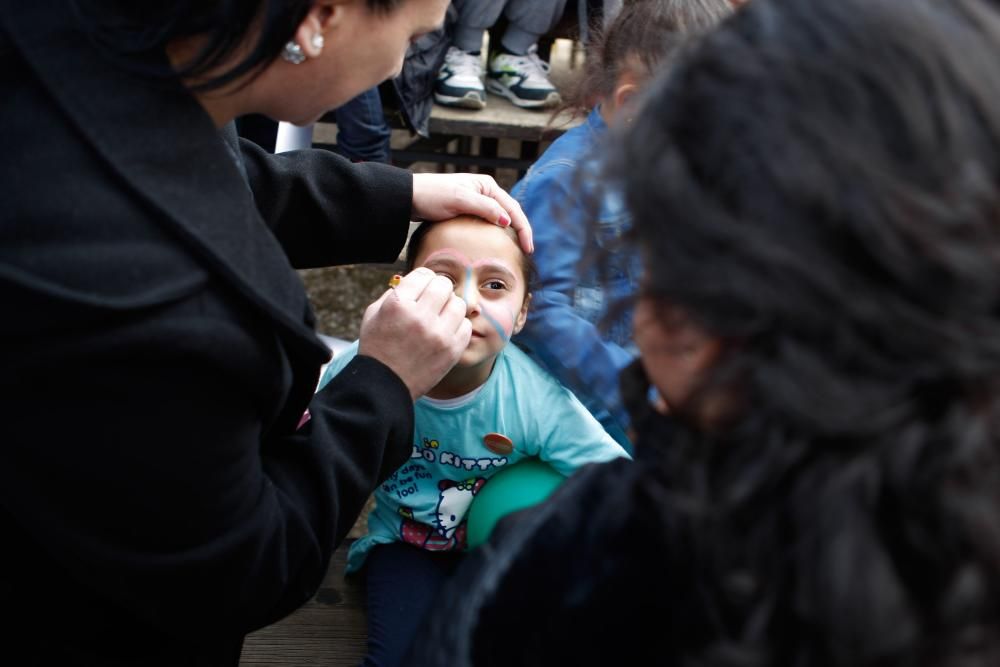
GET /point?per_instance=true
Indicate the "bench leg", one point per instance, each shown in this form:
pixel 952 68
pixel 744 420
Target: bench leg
pixel 529 152
pixel 488 149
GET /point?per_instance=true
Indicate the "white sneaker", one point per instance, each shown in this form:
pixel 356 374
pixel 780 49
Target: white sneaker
pixel 524 80
pixel 459 82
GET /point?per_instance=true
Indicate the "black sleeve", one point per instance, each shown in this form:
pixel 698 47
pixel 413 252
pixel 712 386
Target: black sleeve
pixel 132 461
pixel 324 210
pixel 361 426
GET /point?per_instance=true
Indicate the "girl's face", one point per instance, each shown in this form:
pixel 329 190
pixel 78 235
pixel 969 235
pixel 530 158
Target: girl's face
pixel 483 262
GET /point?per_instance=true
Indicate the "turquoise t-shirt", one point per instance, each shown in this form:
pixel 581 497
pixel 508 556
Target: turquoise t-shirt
pixel 459 444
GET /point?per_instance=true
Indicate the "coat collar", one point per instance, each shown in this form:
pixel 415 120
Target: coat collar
pixel 164 146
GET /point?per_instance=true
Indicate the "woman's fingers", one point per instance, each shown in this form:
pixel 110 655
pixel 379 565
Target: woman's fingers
pixel 454 312
pixel 413 284
pixel 443 196
pixel 515 216
pixel 428 290
pixel 418 329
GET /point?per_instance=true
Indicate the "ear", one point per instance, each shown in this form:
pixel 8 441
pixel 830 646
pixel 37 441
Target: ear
pixel 623 95
pixel 324 17
pixel 522 316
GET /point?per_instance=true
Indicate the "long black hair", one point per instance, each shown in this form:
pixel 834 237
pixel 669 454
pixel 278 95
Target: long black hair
pixel 137 32
pixel 817 185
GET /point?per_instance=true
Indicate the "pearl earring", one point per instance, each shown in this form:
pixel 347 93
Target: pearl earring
pixel 317 41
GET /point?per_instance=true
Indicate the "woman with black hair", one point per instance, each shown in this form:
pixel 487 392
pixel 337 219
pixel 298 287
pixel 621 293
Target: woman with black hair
pixel 815 191
pixel 168 480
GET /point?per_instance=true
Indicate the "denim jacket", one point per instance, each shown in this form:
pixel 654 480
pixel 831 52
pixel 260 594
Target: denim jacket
pixel 562 332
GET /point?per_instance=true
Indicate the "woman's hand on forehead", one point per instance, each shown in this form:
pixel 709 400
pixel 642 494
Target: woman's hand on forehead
pixel 444 196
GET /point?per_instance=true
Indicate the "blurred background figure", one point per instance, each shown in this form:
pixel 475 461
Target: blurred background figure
pixel 573 330
pixel 814 192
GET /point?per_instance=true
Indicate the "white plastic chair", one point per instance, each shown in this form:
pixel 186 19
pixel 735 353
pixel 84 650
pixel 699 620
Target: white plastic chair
pixel 292 137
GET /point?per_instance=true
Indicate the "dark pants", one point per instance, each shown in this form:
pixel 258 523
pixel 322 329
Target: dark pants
pixel 362 133
pixel 402 582
pixel 529 20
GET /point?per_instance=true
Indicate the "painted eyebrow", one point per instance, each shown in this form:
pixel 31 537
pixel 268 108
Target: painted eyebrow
pixel 447 255
pixel 498 267
pixel 454 258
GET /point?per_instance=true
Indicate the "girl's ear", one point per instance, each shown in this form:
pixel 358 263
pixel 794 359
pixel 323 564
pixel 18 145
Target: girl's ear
pixel 620 101
pixel 522 316
pixel 624 94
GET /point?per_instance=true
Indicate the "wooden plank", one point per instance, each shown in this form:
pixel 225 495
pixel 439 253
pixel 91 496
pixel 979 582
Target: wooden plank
pixel 499 120
pixel 329 630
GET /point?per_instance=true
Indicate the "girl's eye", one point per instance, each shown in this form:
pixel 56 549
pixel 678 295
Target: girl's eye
pixel 494 285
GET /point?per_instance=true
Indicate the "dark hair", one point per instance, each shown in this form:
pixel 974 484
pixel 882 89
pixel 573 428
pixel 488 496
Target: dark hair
pixel 817 184
pixel 137 32
pixel 413 246
pixel 643 34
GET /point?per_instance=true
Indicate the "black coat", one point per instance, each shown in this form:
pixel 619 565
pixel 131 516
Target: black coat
pixel 157 501
pixel 575 581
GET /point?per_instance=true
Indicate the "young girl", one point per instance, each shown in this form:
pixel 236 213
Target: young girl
pixel 494 408
pixel 562 333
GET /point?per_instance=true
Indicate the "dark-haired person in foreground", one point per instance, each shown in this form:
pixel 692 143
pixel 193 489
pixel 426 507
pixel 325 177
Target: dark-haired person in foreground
pixel 815 190
pixel 168 481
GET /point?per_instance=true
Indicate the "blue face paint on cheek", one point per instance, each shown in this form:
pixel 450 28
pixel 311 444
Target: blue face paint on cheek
pixel 504 334
pixel 496 325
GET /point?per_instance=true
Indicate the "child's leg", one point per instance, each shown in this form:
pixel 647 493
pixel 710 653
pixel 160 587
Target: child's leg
pixel 362 133
pixel 515 71
pixel 402 582
pixel 529 20
pixel 474 18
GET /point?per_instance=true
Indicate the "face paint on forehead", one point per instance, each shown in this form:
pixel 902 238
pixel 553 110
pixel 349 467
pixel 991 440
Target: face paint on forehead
pixel 468 289
pixel 449 253
pixel 495 261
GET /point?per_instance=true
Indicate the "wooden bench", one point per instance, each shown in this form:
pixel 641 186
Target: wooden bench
pixel 328 630
pixel 465 138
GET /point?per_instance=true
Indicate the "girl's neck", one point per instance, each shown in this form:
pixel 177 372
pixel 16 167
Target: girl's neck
pixel 461 381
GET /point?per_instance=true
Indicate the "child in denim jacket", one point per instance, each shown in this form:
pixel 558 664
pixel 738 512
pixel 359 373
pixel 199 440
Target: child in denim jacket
pixel 573 220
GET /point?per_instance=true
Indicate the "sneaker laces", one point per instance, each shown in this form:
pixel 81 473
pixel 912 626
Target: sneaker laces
pixel 537 61
pixel 535 69
pixel 462 63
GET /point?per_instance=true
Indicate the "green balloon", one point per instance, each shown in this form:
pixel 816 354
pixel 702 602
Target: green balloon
pixel 522 484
